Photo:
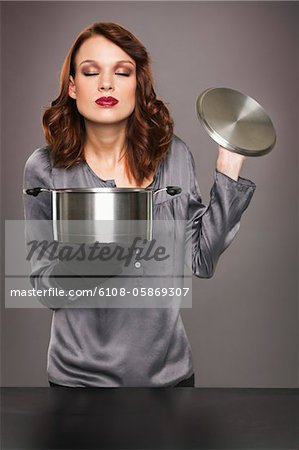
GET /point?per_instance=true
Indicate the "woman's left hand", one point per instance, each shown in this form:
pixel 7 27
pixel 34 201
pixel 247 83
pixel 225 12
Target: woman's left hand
pixel 229 163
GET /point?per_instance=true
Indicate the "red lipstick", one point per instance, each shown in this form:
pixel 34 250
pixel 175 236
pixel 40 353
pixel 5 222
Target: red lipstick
pixel 106 101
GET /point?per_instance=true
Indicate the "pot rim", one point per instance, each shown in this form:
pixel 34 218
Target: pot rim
pixel 171 190
pixel 101 190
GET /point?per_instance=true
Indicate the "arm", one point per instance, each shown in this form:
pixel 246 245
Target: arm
pixel 214 227
pixel 38 216
pixel 48 272
pixel 229 163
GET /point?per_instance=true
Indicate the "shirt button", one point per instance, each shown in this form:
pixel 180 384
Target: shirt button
pixel 137 251
pixel 137 265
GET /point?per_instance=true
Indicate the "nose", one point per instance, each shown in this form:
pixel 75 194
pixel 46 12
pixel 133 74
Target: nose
pixel 105 83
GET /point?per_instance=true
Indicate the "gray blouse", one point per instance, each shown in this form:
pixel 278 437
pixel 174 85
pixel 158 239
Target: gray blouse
pixel 132 346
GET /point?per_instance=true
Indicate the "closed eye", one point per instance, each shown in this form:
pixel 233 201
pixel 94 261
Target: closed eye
pixel 90 74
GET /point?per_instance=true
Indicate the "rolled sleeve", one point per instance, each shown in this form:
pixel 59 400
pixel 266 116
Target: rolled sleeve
pixel 215 226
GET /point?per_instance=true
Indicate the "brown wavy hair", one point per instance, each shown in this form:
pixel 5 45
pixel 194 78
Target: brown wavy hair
pixel 149 127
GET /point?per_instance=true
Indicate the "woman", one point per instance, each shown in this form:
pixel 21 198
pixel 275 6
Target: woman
pixel 107 129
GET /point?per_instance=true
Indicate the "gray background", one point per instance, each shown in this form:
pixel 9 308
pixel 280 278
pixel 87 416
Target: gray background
pixel 243 326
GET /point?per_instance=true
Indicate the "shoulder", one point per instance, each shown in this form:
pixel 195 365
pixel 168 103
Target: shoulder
pixel 178 168
pixel 179 155
pixel 38 167
pixel 179 152
pixel 41 157
pixel 178 147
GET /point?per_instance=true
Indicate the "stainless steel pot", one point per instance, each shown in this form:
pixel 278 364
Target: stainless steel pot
pixel 87 215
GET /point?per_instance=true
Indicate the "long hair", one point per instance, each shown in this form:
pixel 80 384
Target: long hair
pixel 149 127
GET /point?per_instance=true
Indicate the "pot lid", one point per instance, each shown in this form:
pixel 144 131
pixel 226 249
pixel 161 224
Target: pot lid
pixel 236 121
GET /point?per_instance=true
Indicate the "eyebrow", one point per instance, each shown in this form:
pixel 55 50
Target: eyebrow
pixel 117 62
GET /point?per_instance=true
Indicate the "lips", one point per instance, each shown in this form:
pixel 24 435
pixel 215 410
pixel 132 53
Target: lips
pixel 106 101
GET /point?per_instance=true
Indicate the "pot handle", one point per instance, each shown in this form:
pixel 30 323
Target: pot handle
pixel 171 190
pixel 35 191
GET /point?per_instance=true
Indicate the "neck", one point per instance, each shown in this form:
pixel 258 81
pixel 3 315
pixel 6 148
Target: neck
pixel 105 142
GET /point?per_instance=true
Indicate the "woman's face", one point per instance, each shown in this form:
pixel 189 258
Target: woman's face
pixel 104 85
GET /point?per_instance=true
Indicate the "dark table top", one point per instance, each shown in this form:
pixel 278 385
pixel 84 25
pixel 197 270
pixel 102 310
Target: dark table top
pixel 140 418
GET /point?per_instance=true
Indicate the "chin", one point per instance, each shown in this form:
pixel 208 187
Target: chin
pixel 104 120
